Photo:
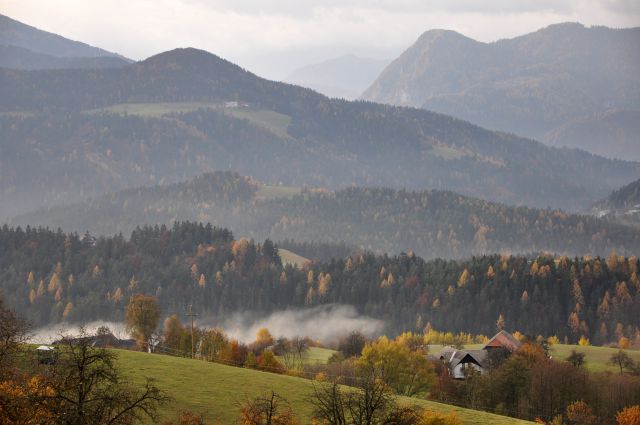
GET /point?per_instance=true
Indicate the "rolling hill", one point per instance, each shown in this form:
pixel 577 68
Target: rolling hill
pixel 530 85
pixel 176 115
pixel 431 223
pixel 612 134
pixel 216 391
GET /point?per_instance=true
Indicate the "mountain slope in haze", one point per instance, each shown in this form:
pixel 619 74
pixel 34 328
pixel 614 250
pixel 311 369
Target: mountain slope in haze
pixel 529 85
pixel 20 58
pixel 431 223
pixel 181 113
pixel 344 77
pixel 612 134
pixel 621 206
pixel 26 47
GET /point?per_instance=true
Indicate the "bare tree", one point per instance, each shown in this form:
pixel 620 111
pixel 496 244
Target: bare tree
pixel 86 388
pixel 623 361
pixel 370 403
pixel 14 332
pixel 329 404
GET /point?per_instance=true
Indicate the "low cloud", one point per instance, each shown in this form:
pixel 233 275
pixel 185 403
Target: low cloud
pixel 325 323
pixel 48 334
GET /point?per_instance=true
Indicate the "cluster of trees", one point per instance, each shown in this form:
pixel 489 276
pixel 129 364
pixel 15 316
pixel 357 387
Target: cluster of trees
pixel 431 223
pixel 83 386
pixel 51 277
pixel 531 385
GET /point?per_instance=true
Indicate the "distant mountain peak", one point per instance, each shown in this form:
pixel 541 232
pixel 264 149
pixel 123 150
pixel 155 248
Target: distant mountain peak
pixel 18 34
pixel 190 59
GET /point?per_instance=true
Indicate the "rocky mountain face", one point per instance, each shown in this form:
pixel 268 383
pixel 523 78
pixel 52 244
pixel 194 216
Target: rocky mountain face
pixel 534 85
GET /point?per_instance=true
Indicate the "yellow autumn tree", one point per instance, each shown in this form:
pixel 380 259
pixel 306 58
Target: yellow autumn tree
pixel 202 282
pixel 58 295
pixel 264 337
pixel 54 283
pixel 41 289
pixel 464 278
pixel 324 284
pixel 117 295
pixel 30 278
pixel 490 272
pixel 67 310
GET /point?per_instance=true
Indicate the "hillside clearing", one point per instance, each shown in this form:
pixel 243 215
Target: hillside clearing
pixel 292 258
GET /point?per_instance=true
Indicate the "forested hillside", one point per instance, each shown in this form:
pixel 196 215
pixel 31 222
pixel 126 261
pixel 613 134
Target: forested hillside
pixel 176 115
pixel 431 223
pixel 51 276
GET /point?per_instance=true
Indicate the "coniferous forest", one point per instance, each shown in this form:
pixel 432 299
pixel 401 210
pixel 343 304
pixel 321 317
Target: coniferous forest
pixel 51 276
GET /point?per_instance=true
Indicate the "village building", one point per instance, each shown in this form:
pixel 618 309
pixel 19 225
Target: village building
pixel 461 361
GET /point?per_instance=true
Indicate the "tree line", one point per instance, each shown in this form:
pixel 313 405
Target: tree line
pixel 50 277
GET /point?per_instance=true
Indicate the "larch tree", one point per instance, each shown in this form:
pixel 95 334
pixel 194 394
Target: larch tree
pixel 142 316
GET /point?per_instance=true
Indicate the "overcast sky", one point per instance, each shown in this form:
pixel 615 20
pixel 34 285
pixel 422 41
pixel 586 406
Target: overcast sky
pixel 273 37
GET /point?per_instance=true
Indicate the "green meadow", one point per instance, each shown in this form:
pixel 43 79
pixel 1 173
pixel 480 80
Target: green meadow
pixel 216 391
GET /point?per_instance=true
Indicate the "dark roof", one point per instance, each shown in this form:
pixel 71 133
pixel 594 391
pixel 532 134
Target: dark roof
pixel 455 356
pixel 503 339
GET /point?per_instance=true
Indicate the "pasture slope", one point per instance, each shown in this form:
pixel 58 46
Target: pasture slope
pixel 216 391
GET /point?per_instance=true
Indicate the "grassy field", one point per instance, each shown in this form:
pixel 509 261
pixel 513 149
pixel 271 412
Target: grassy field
pixel 289 257
pixel 216 391
pixel 596 358
pixel 154 110
pixel 273 121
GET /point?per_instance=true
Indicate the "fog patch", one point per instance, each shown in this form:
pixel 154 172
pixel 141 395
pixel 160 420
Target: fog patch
pixel 326 323
pixel 48 334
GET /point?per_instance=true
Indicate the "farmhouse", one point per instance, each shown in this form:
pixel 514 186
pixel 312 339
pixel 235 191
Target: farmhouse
pixel 495 350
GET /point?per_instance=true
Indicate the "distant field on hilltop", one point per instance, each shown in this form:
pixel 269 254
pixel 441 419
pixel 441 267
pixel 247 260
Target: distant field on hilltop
pixel 216 391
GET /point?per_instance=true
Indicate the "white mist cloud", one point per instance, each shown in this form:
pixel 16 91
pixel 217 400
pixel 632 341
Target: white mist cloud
pixel 326 323
pixel 48 334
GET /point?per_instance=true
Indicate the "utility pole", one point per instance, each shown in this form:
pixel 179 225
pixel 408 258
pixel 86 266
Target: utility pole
pixel 191 314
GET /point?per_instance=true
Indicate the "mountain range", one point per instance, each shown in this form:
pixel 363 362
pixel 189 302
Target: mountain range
pixel 25 47
pixel 69 134
pixel 539 85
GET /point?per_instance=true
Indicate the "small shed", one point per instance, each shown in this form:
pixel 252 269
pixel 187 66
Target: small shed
pixel 47 354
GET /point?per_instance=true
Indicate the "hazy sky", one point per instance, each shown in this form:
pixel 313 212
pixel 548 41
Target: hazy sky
pixel 273 37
